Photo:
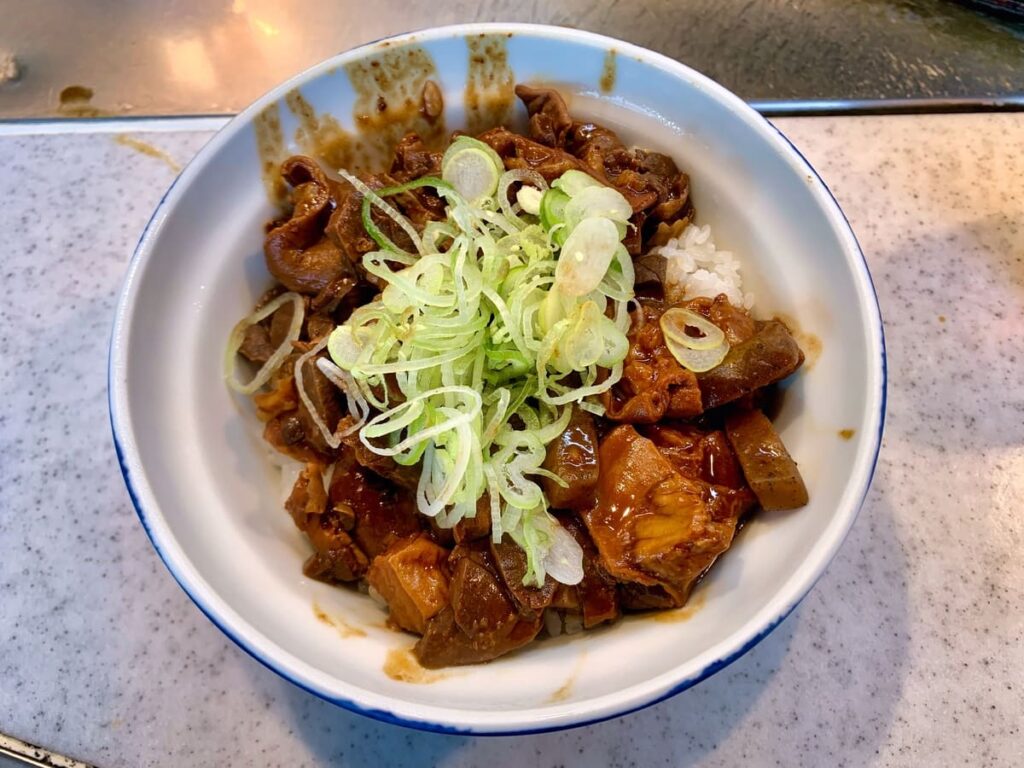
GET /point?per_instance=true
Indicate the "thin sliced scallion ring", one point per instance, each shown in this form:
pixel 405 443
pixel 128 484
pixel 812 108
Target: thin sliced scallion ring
pixel 357 405
pixel 333 439
pixel 676 320
pixel 279 355
pixel 696 360
pixel 468 142
pixel 421 436
pixel 524 176
pixel 377 200
pixel 474 174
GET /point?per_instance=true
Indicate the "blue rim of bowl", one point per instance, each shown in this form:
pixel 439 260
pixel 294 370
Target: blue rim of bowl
pixel 386 716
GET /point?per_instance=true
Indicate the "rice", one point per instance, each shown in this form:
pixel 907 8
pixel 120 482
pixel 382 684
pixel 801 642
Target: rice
pixel 695 267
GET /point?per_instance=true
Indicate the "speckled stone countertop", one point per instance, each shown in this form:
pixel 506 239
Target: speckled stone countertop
pixel 909 651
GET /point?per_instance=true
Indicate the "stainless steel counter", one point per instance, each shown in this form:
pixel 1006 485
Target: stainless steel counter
pixel 215 56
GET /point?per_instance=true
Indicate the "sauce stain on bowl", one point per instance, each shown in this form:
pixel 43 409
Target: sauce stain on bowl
pixel 391 88
pixel 402 666
pixel 608 72
pixel 320 136
pixel 271 149
pixel 344 628
pixel 810 343
pixel 564 691
pixel 490 84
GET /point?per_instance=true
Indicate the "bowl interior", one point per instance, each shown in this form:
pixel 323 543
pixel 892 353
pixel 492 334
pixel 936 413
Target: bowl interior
pixel 210 496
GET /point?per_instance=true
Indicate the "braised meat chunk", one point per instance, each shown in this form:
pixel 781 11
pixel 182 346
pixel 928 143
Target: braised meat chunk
pixel 572 456
pixel 336 558
pixel 323 399
pixel 736 323
pixel 519 152
pixel 769 469
pixel 411 576
pixel 770 355
pixel 595 596
pixel 298 253
pixel 510 561
pixel 482 621
pixel 549 116
pixel 654 385
pixel 383 466
pixel 656 189
pixel 381 512
pixel 651 524
pixel 698 453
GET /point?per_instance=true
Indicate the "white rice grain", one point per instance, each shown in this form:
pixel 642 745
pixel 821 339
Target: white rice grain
pixel 695 267
pixel 552 622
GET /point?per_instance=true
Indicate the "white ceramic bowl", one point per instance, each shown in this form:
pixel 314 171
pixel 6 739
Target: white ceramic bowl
pixel 207 495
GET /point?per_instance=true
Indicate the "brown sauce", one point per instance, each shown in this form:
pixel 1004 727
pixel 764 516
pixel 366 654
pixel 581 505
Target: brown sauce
pixel 145 148
pixel 809 342
pixel 847 434
pixel 389 103
pixel 402 666
pixel 694 604
pixel 396 93
pixel 76 101
pixel 564 691
pixel 271 149
pixel 490 85
pixel 320 136
pixel 812 347
pixel 344 628
pixel 607 82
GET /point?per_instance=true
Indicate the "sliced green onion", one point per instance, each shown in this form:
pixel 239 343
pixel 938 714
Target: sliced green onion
pixel 468 142
pixel 237 336
pixel 552 208
pixel 357 405
pixel 550 549
pixel 473 174
pixel 573 182
pixel 372 198
pixel 332 438
pixel 585 256
pixel 343 347
pixel 484 339
pixel 696 360
pixel 603 202
pixel 675 322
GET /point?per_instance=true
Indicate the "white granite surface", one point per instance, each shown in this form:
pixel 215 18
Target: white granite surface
pixel 908 652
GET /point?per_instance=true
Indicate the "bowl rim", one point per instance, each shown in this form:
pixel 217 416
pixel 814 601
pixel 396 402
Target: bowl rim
pixel 442 719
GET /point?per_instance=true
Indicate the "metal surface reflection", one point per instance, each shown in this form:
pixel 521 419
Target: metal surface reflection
pixel 192 57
